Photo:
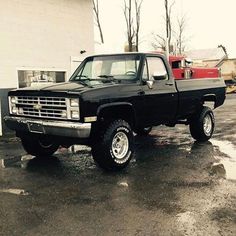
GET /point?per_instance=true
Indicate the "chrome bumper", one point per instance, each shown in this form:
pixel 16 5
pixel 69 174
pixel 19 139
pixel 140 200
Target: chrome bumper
pixel 49 127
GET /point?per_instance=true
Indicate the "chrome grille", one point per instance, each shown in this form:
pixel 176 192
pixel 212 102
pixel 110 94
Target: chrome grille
pixel 44 107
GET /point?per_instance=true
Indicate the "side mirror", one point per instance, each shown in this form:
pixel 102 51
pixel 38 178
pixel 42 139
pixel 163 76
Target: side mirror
pixel 160 75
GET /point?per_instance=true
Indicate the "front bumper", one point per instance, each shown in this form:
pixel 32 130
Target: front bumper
pixel 49 127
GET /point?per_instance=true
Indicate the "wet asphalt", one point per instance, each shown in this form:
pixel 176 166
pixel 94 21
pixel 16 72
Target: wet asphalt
pixel 173 186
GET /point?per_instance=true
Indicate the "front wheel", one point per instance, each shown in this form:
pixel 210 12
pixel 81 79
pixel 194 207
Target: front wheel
pixel 113 148
pixel 202 125
pixel 42 146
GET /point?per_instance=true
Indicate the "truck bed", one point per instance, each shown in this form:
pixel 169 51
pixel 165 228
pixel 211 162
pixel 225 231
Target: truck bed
pixel 192 91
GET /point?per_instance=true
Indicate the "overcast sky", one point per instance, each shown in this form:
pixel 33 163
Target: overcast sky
pixel 210 23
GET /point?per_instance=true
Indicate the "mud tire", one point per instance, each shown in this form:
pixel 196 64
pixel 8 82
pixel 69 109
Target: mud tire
pixel 202 125
pixel 40 146
pixel 114 146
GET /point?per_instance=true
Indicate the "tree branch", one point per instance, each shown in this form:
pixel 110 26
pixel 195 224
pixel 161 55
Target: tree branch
pixel 97 19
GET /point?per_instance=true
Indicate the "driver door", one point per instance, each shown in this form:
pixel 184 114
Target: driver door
pixel 161 100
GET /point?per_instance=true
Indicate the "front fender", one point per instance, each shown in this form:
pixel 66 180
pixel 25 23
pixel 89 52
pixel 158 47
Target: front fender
pixel 119 110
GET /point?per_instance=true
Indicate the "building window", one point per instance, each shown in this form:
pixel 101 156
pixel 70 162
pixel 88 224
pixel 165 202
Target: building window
pixel 28 78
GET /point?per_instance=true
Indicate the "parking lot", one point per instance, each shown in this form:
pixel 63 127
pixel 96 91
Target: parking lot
pixel 173 186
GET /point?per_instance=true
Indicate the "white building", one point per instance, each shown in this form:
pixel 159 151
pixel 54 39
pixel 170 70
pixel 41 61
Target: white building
pixel 41 41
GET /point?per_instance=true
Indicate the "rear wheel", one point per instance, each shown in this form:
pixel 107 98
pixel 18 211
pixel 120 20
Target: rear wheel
pixel 202 125
pixel 42 146
pixel 113 148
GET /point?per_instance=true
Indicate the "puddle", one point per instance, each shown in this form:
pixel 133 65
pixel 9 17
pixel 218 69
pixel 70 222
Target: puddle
pixel 229 163
pixel 14 191
pixel 4 163
pixel 15 161
pixel 226 147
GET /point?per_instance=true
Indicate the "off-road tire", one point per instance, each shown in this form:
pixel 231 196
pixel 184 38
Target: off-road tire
pixel 143 131
pixel 202 124
pixel 41 146
pixel 114 146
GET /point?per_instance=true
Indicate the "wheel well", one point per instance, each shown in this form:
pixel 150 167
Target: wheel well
pixel 124 112
pixel 210 98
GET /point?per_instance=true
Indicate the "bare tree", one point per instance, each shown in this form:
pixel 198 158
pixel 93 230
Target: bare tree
pixel 129 24
pixel 168 21
pixel 167 18
pixel 161 39
pixel 133 21
pixel 97 18
pixel 159 42
pixel 180 37
pixel 138 5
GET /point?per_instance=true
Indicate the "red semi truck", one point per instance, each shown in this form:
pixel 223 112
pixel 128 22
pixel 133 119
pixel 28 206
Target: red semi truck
pixel 182 69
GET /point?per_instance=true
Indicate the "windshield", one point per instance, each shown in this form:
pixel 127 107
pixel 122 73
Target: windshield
pixel 108 68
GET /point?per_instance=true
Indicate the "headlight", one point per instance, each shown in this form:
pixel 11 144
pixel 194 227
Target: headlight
pixel 13 100
pixel 74 102
pixel 14 110
pixel 75 114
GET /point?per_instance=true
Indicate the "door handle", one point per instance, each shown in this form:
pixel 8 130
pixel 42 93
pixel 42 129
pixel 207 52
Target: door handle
pixel 170 83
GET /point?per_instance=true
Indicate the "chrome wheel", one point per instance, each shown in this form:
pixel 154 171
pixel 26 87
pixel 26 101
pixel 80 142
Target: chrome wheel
pixel 202 124
pixel 207 125
pixel 114 147
pixel 120 145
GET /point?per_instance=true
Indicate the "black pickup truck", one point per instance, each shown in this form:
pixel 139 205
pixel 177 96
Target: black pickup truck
pixel 106 101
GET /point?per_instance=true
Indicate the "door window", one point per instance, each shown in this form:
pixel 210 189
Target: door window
pixel 156 67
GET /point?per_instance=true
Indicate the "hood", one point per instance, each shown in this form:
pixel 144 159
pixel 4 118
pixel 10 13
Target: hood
pixel 66 87
pixel 59 87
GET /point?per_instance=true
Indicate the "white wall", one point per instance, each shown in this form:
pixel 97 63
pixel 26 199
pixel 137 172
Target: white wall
pixel 75 62
pixel 42 34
